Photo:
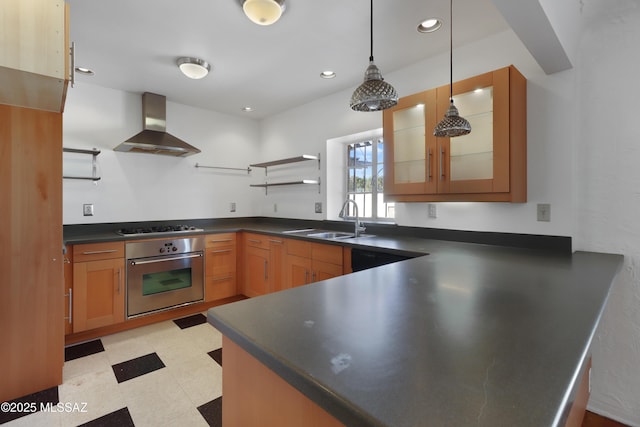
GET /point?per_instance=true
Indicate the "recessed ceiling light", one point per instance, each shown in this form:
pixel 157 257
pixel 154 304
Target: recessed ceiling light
pixel 327 74
pixel 247 109
pixel 85 71
pixel 429 25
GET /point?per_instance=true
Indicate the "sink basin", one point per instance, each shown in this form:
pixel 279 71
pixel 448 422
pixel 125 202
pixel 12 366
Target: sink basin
pixel 332 235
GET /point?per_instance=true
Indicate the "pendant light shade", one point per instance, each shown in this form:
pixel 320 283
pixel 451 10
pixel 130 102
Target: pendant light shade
pixel 263 12
pixel 374 94
pixel 452 125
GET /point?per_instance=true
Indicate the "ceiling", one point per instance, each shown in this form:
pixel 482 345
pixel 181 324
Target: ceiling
pixel 132 45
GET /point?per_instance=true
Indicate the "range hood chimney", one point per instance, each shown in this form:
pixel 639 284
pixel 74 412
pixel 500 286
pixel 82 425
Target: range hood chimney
pixel 154 138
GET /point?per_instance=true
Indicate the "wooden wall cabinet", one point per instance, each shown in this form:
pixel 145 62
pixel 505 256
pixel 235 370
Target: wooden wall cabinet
pixel 98 285
pixel 489 164
pixel 308 262
pixel 34 59
pixel 220 266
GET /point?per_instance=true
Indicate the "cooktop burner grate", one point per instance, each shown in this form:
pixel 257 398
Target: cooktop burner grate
pixel 160 229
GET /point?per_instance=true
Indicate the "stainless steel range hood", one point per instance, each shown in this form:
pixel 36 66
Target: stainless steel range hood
pixel 154 138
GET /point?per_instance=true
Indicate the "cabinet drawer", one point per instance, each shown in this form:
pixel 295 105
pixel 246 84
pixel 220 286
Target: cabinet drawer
pixel 220 260
pixel 219 240
pixel 221 287
pixel 299 248
pixel 97 251
pixel 257 240
pixel 327 253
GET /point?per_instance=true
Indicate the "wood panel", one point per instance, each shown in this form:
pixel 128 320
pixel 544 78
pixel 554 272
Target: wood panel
pixel 34 57
pixel 32 294
pixel 327 253
pixel 255 396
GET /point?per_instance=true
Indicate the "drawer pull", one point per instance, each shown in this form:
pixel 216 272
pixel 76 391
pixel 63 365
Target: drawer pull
pixel 220 251
pixel 220 279
pixel 255 241
pixel 107 251
pixel 221 241
pixel 275 241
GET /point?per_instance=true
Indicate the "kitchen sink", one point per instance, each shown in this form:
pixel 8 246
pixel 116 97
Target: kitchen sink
pixel 332 235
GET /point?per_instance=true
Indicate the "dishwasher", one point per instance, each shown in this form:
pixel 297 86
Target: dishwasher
pixel 362 259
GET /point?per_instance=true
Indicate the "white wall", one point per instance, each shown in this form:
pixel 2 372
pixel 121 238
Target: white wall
pixel 607 187
pixel 144 187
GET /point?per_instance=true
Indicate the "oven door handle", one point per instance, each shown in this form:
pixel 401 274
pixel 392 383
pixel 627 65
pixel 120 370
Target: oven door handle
pixel 164 259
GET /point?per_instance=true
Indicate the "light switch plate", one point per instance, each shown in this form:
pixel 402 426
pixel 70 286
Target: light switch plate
pixel 232 207
pixel 544 212
pixel 433 212
pixel 318 207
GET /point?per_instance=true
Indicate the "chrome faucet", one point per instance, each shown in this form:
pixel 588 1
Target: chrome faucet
pixel 343 214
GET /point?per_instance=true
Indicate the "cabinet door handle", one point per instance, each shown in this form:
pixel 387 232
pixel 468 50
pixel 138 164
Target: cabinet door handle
pixel 107 251
pixel 266 276
pixel 70 295
pixel 119 279
pixel 313 277
pixel 220 251
pixel 306 277
pixel 441 163
pixel 429 176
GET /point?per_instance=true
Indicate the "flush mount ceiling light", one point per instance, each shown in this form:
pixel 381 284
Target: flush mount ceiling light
pixel 429 25
pixel 452 125
pixel 374 94
pixel 194 68
pixel 263 12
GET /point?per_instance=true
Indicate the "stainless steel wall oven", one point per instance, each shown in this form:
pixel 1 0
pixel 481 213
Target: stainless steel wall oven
pixel 164 274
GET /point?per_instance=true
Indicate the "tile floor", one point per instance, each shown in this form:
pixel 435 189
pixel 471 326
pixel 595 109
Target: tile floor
pixel 165 374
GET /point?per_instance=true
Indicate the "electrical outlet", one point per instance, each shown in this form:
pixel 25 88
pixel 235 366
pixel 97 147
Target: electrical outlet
pixel 318 207
pixel 433 213
pixel 232 207
pixel 544 212
pixel 275 207
pixel 87 209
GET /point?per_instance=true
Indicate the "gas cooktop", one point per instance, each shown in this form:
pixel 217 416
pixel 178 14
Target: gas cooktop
pixel 159 229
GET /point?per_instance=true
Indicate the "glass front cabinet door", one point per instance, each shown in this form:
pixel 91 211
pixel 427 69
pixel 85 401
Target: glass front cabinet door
pixel 488 164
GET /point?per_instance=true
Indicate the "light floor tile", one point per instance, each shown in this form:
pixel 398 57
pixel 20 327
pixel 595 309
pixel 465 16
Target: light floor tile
pixel 154 398
pixel 99 390
pixel 84 365
pixel 200 377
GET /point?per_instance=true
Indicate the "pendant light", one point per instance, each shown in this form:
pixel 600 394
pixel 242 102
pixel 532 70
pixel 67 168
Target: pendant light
pixel 374 94
pixel 452 124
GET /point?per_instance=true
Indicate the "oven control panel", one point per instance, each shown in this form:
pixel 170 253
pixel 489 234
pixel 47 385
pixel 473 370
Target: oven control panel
pixel 168 248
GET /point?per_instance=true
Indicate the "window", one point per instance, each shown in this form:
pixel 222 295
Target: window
pixel 365 180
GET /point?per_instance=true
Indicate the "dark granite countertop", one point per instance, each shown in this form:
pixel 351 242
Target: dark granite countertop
pixel 469 335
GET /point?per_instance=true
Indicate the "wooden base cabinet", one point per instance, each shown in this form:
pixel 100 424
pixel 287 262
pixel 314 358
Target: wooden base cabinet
pixel 220 266
pixel 308 262
pixel 98 285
